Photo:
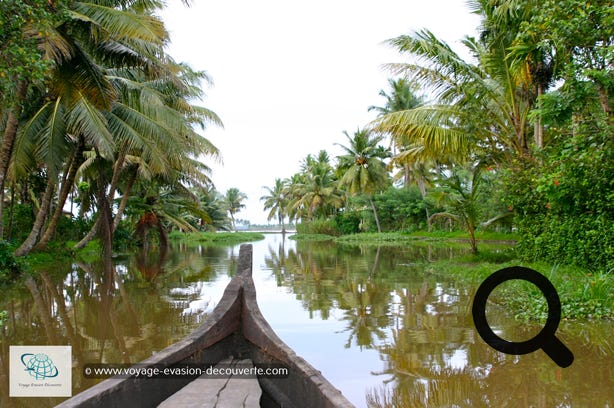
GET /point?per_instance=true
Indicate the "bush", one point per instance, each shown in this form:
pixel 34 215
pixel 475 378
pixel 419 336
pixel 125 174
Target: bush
pixel 564 202
pixel 348 222
pixel 401 209
pixel 22 220
pixel 318 226
pixel 72 229
pixel 9 267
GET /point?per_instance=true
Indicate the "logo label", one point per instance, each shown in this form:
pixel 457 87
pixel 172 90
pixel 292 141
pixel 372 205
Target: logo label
pixel 40 371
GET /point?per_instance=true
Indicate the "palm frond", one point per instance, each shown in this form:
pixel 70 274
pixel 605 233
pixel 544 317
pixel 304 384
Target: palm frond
pixel 120 23
pixel 85 119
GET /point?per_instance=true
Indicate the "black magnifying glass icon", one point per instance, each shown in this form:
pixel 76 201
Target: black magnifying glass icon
pixel 545 339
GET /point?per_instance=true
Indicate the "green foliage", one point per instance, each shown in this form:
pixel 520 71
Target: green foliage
pixel 23 218
pixel 20 58
pixel 401 209
pixel 319 226
pixel 311 237
pixel 348 222
pixel 564 203
pixel 3 318
pixel 122 238
pixel 583 294
pixel 71 229
pixel 225 238
pixel 9 267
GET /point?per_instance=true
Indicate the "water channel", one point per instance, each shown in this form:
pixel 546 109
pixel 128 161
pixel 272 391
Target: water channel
pixel 380 326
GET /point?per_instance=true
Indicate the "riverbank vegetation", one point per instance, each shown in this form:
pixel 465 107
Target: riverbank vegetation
pixel 516 139
pixel 223 238
pixel 101 135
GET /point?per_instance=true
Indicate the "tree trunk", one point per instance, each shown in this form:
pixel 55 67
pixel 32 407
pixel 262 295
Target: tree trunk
pixel 379 228
pixel 69 180
pixel 28 244
pixel 406 176
pixel 538 131
pixel 105 229
pixel 422 187
pixel 89 236
pixel 163 237
pixel 117 169
pixel 11 212
pixel 604 100
pixel 472 240
pixel 124 201
pixel 8 141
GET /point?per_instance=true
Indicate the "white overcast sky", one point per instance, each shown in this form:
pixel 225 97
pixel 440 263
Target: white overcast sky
pixel 290 76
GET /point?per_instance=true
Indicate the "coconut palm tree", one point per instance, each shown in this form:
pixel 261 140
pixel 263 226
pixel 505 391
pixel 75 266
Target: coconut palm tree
pixel 363 167
pixel 314 190
pixel 479 109
pixel 461 193
pixel 234 203
pixel 277 202
pixel 416 169
pixel 79 91
pixel 138 117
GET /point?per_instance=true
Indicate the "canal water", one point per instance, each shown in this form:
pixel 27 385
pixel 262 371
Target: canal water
pixel 384 329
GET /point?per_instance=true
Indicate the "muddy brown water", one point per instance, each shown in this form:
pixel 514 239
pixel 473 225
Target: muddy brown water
pixel 379 327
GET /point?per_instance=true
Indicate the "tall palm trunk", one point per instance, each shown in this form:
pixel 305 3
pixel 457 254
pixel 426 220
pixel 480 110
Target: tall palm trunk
pixel 89 236
pixel 124 201
pixel 117 167
pixel 538 131
pixel 69 179
pixel 379 227
pixel 42 214
pixel 8 141
pixel 105 230
pixel 422 187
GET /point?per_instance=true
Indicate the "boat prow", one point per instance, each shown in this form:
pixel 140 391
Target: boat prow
pixel 236 329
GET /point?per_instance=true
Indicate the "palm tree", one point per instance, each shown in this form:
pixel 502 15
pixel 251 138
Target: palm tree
pixel 461 193
pixel 133 113
pixel 79 91
pixel 277 202
pixel 314 191
pixel 402 97
pixel 363 167
pixel 234 203
pixel 480 109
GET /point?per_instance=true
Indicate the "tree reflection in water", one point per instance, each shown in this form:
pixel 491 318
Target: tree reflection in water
pixel 421 325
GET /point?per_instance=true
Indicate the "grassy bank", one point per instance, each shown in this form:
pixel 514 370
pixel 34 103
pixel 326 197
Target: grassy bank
pixel 584 294
pixel 403 237
pixel 221 238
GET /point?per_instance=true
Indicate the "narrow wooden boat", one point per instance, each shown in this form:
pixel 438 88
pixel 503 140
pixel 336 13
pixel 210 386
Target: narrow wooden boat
pixel 237 329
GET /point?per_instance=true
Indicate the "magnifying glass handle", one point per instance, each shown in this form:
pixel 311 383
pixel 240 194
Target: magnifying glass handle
pixel 558 352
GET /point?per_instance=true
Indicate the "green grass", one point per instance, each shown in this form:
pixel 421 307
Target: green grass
pixel 223 238
pixel 406 237
pixel 312 237
pixel 584 294
pixel 480 235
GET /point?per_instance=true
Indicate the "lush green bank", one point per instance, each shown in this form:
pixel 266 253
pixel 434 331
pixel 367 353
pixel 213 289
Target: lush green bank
pixel 408 237
pixel 584 294
pixel 223 238
pixel 12 268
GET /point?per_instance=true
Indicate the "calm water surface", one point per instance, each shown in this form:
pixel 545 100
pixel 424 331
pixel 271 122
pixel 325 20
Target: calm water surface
pixel 378 325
